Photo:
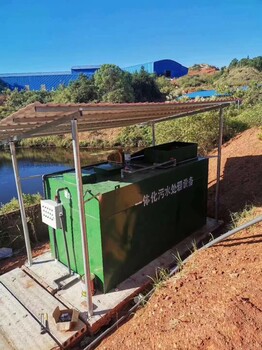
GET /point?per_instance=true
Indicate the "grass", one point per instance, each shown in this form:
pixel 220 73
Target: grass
pixel 211 237
pixel 194 246
pixel 243 216
pixel 179 261
pixel 174 322
pixel 140 298
pixel 29 199
pixel 239 76
pixel 161 276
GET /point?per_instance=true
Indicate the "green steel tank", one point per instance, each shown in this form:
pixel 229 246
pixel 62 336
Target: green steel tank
pixel 134 212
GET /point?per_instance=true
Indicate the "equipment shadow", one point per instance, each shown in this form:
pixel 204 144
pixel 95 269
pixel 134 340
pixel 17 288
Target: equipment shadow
pixel 240 185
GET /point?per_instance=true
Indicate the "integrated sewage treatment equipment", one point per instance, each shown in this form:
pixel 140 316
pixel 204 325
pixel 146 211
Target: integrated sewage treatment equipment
pixel 134 212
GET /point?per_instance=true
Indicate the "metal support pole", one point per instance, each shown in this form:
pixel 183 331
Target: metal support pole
pixel 220 140
pixel 153 135
pixel 81 205
pixel 21 202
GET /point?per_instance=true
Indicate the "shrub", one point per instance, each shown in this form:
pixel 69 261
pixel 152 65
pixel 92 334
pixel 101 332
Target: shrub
pixel 29 199
pixel 243 216
pixel 135 136
pixel 202 129
pixel 252 116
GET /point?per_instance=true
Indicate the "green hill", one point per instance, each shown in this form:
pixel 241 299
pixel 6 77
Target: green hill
pixel 239 77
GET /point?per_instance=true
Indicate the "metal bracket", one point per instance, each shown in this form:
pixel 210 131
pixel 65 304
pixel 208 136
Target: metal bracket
pixel 93 195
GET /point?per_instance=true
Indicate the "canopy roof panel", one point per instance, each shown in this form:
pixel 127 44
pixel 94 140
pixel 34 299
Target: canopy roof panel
pixel 38 119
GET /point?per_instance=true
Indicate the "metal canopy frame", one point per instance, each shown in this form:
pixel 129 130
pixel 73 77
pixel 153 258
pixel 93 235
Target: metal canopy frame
pixel 38 120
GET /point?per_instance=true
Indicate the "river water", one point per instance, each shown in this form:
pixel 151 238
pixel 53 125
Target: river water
pixel 38 162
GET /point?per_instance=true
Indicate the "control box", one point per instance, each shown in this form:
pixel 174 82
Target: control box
pixel 50 211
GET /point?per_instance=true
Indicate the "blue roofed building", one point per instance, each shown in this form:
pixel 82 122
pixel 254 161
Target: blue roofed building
pixel 52 80
pixel 43 81
pixel 166 68
pixel 203 94
pixel 37 81
pixel 89 70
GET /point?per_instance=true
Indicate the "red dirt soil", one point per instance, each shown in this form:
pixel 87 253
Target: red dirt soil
pixel 203 71
pixel 215 302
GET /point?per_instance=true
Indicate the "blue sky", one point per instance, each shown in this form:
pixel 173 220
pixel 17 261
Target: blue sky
pixel 54 35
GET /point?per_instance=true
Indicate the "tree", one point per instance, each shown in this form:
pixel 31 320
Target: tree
pixel 62 95
pixel 244 62
pixel 113 84
pixel 15 100
pixel 145 87
pixel 3 86
pixel 135 136
pixel 167 88
pixel 18 99
pixel 82 90
pixel 256 62
pixel 233 63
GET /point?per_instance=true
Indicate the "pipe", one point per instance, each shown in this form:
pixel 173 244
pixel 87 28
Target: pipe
pixel 232 232
pixel 153 134
pixel 170 163
pixel 171 273
pixel 221 238
pixel 58 200
pixel 61 215
pixel 82 219
pixel 55 243
pixel 53 230
pixel 119 321
pixel 220 141
pixel 21 203
pixel 31 177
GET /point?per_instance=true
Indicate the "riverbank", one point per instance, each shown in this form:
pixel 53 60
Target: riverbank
pixel 37 162
pixel 100 139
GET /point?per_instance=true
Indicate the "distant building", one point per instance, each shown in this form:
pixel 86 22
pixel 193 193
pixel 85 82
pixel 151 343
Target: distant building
pixel 166 68
pixel 44 81
pixel 203 94
pixel 89 70
pixel 51 80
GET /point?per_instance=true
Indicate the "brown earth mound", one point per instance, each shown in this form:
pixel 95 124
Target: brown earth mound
pixel 215 302
pixel 203 71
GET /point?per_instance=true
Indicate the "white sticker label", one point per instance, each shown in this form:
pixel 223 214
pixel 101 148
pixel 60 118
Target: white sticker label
pixel 67 194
